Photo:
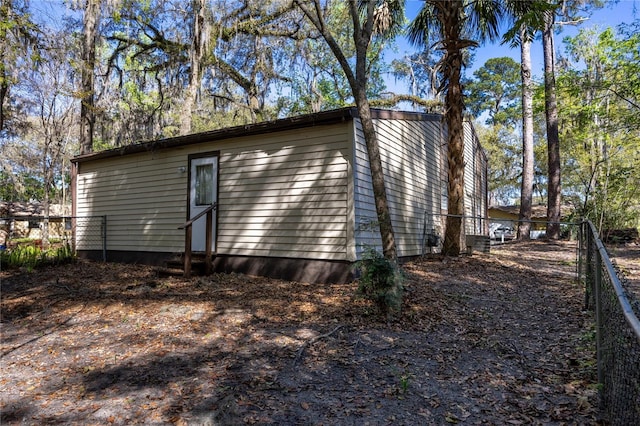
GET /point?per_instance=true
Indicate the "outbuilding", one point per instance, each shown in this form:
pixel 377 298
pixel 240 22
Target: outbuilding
pixel 294 197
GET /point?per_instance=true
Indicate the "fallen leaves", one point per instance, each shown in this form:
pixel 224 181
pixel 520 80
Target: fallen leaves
pixel 493 339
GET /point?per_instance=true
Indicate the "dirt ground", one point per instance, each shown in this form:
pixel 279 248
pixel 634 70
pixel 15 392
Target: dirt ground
pixel 482 339
pixel 626 259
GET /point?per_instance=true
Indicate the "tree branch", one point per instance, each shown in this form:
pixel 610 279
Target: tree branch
pixel 572 22
pixel 633 104
pixel 394 99
pixel 311 342
pixel 320 25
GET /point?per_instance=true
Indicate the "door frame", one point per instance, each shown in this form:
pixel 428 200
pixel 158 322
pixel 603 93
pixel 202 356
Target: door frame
pixel 197 156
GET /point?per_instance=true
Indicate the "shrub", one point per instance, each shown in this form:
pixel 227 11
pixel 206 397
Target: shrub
pixel 381 281
pixel 32 256
pixel 62 254
pixel 22 256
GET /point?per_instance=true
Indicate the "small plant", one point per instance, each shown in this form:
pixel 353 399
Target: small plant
pixel 61 254
pixel 32 256
pixel 22 256
pixel 381 281
pixel 404 383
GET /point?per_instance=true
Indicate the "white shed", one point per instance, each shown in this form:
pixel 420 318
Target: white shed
pixel 294 197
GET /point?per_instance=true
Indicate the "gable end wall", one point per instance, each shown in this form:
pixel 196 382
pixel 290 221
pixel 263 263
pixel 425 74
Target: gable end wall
pixel 414 162
pixel 410 151
pixel 475 184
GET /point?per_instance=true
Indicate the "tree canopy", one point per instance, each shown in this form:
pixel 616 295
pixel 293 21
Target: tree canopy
pixel 169 67
pixel 600 106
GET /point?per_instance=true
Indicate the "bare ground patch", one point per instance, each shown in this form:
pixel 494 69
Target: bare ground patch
pixel 486 339
pixel 626 258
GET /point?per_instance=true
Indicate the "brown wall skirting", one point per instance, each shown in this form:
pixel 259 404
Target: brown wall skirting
pixel 302 270
pixel 121 256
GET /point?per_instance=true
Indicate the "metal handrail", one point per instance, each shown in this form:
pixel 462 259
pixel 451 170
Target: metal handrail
pixel 617 331
pixel 627 309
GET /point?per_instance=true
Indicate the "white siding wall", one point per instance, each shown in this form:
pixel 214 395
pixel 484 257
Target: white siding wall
pixel 411 161
pixel 283 194
pixel 280 194
pixel 143 196
pixel 474 182
pixel 287 198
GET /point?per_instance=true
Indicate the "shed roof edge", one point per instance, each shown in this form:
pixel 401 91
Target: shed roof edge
pixel 289 123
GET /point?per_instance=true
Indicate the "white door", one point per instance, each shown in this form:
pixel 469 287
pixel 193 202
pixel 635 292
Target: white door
pixel 203 189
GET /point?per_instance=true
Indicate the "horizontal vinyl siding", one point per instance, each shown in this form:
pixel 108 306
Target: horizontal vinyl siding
pixel 287 197
pixel 281 194
pixel 469 180
pixel 410 159
pixel 143 196
pixel 474 183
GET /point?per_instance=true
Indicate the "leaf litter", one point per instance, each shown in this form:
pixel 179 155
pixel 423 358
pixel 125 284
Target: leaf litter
pixel 498 338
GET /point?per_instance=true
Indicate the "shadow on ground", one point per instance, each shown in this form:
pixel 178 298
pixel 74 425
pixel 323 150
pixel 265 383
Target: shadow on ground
pixel 499 338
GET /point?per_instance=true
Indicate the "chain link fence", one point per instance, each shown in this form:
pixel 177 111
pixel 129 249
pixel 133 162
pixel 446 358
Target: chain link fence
pixel 482 232
pixel 89 231
pixel 617 331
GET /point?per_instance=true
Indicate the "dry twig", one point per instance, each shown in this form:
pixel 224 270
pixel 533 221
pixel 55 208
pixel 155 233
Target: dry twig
pixel 311 342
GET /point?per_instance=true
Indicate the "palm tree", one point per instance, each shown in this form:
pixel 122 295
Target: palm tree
pixel 455 22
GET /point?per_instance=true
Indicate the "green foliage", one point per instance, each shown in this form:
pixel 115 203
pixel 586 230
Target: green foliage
pixel 317 80
pixel 505 158
pixel 31 256
pixel 404 383
pixel 17 34
pixel 381 281
pixel 495 92
pixel 600 105
pixel 26 256
pixel 496 89
pixel 23 187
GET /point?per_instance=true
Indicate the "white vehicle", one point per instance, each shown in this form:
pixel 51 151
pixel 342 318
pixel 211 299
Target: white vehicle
pixel 499 231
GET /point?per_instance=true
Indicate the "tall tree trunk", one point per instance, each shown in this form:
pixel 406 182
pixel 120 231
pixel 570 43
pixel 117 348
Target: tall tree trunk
pixel 87 107
pixel 47 172
pixel 377 177
pixel 196 54
pixel 359 89
pixel 452 27
pixel 594 157
pixel 526 189
pixel 358 82
pixel 5 8
pixel 4 90
pixel 553 139
pixel 46 205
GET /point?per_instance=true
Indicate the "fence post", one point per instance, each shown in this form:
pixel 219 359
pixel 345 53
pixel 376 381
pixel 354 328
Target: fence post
pixel 599 325
pixel 104 238
pixel 588 273
pixel 581 236
pixel 74 224
pixel 579 259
